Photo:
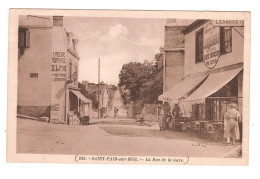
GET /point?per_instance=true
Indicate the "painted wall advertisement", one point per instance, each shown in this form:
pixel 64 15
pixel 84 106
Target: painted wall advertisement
pixel 59 66
pixel 58 80
pixel 211 45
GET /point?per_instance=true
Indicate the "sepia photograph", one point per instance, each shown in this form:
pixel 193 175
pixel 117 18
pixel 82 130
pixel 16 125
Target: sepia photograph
pixel 128 87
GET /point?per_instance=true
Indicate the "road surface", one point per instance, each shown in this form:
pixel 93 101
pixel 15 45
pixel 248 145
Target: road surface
pixel 111 137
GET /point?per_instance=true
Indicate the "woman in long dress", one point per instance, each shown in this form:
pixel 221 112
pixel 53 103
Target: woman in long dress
pixel 231 128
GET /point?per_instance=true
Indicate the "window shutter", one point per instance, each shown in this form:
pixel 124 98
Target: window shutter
pixel 199 46
pixel 228 40
pixel 70 72
pixel 222 40
pixel 27 38
pixel 225 40
pixel 21 38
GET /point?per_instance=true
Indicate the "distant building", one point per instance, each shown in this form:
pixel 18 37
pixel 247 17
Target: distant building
pixel 47 69
pixel 86 84
pixel 102 95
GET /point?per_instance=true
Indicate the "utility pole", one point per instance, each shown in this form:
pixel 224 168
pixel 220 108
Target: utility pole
pixel 98 84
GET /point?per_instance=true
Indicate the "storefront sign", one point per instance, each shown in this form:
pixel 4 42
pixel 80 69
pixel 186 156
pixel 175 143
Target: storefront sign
pixel 211 45
pixel 59 67
pixel 230 23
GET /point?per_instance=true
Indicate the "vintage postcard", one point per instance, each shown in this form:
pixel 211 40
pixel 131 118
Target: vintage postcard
pixel 128 87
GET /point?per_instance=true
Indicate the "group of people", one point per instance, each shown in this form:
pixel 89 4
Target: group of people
pixel 168 118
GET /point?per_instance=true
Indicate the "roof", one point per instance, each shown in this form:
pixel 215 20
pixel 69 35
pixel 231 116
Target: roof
pixel 35 21
pixel 178 22
pixel 194 26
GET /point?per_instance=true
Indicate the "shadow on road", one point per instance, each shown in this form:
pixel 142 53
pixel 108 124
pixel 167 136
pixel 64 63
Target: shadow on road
pixel 144 132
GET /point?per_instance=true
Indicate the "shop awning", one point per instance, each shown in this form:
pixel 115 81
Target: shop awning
pixel 81 96
pixel 212 84
pixel 182 89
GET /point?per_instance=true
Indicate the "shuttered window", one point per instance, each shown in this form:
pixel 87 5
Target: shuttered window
pixel 199 46
pixel 225 40
pixel 23 38
pixel 70 71
pixel 27 38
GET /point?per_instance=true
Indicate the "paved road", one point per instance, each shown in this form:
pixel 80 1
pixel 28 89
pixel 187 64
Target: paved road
pixel 111 137
pixel 119 104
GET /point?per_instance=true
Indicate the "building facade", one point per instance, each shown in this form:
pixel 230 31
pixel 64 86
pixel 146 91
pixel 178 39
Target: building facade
pixel 213 72
pixel 102 95
pixel 174 52
pixel 47 69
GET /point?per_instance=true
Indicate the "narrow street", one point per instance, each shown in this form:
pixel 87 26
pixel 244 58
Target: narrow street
pixel 111 137
pixel 118 103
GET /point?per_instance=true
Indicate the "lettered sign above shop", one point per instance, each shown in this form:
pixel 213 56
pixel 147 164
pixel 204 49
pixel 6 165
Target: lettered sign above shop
pixel 211 45
pixel 229 23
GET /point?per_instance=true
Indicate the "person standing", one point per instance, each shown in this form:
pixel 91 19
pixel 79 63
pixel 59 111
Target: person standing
pixel 167 110
pixel 161 119
pixel 86 114
pixel 231 128
pixel 115 112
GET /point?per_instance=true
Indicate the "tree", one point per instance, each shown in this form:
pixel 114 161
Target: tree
pixel 142 81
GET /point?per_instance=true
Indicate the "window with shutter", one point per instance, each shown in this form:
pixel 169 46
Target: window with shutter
pixel 199 46
pixel 70 72
pixel 27 36
pixel 225 40
pixel 21 38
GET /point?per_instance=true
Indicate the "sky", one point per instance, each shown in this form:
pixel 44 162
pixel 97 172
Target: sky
pixel 116 41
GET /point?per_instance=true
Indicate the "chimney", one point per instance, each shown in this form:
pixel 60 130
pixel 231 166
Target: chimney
pixel 57 20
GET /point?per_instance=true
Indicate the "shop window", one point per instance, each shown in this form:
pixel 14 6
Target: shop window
pixel 225 40
pixel 217 107
pixel 199 46
pixel 198 111
pixel 23 38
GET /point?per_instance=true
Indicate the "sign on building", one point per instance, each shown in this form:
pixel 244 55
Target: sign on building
pixel 230 23
pixel 211 45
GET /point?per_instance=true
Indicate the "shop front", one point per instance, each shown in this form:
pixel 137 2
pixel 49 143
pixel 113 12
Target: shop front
pixel 79 107
pixel 207 105
pixel 204 100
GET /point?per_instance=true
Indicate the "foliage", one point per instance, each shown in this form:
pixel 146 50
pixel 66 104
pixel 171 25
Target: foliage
pixel 140 82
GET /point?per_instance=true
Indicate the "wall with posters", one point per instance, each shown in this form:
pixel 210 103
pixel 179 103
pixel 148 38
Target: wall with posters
pixel 212 60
